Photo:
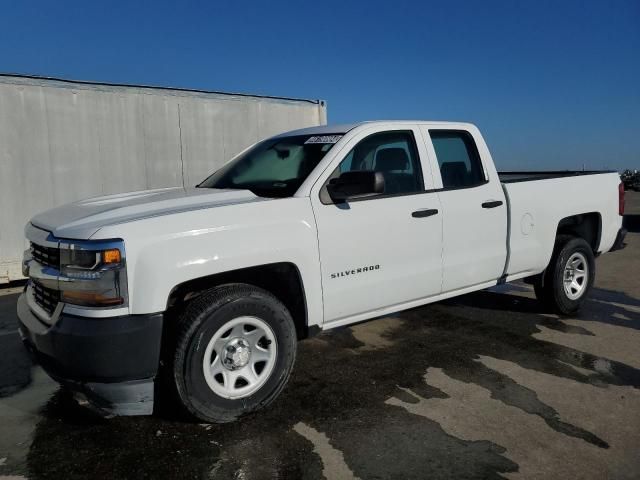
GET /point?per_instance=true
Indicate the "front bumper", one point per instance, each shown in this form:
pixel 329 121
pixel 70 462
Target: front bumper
pixel 619 242
pixel 112 361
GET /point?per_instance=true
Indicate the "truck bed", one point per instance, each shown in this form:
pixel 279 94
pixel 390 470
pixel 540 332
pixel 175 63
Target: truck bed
pixel 513 177
pixel 537 208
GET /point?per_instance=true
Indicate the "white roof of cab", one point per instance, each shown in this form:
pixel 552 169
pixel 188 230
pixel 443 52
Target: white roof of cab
pixel 344 128
pixel 321 130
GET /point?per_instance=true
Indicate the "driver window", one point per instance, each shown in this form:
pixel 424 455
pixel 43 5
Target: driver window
pixel 394 154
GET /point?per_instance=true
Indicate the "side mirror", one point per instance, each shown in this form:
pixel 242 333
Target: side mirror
pixel 356 184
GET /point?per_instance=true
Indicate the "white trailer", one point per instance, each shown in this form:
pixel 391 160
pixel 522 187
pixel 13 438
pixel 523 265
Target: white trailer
pixel 62 141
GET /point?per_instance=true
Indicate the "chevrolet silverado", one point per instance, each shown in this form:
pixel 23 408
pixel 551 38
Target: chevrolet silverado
pixel 211 287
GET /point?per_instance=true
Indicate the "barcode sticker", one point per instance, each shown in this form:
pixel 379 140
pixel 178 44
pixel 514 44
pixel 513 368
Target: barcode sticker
pixel 324 139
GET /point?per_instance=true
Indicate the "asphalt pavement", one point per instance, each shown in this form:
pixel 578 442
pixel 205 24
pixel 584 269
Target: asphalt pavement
pixel 487 385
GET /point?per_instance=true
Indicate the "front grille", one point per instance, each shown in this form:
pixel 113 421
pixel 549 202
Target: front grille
pixel 49 256
pixel 47 298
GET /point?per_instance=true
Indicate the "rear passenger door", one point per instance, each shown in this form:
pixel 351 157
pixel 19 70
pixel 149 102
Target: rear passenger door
pixel 473 207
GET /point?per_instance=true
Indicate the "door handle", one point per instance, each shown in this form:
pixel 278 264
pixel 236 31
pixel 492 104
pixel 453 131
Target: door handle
pixel 427 212
pixel 492 204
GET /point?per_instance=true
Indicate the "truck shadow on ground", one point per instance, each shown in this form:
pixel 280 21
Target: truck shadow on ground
pixel 604 306
pixel 15 368
pixel 340 389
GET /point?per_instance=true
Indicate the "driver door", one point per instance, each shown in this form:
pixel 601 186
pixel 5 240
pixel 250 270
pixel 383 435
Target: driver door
pixel 378 254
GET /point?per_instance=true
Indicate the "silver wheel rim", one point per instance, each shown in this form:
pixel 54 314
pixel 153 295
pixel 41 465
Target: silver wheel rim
pixel 240 357
pixel 576 276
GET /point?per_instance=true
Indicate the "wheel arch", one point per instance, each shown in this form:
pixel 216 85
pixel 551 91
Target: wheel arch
pixel 587 226
pixel 282 279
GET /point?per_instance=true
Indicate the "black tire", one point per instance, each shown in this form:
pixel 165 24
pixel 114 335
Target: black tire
pixel 549 286
pixel 200 321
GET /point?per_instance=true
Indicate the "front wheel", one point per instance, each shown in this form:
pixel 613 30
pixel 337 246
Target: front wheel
pixel 235 350
pixel 569 276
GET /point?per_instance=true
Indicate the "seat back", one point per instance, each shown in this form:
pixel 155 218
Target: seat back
pixel 454 173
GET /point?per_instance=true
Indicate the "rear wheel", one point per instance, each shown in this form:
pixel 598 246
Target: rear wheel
pixel 567 280
pixel 235 349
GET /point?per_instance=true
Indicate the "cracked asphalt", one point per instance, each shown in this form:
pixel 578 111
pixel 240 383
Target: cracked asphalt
pixel 487 385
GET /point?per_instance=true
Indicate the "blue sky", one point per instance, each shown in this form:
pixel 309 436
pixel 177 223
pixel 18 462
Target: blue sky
pixel 552 84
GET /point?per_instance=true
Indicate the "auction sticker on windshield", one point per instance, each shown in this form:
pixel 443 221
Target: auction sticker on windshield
pixel 324 139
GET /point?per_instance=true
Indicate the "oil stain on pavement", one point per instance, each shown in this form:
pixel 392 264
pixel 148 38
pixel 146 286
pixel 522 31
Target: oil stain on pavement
pixel 483 386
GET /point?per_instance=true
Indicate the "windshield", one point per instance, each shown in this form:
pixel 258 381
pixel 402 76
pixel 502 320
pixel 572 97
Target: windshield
pixel 275 167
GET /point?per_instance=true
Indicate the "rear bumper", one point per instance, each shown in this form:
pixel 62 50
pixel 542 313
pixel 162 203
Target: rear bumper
pixel 619 242
pixel 111 362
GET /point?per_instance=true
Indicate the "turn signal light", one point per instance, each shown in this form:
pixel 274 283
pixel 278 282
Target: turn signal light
pixel 111 256
pixel 90 299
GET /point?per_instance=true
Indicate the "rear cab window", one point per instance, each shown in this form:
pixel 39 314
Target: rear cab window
pixel 458 159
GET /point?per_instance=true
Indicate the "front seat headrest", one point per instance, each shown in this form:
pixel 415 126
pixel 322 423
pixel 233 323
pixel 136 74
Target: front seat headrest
pixel 391 159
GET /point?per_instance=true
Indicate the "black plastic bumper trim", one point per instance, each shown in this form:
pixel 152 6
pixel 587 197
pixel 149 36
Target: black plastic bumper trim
pixel 94 350
pixel 619 243
pixel 125 398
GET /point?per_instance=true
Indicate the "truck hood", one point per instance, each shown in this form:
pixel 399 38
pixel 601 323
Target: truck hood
pixel 81 220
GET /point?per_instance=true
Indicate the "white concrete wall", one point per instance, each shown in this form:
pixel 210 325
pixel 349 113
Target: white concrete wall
pixel 62 141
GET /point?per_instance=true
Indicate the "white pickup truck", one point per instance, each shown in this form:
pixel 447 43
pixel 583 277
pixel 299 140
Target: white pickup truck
pixel 211 287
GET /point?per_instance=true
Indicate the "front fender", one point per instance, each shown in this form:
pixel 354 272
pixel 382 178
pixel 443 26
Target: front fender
pixel 165 251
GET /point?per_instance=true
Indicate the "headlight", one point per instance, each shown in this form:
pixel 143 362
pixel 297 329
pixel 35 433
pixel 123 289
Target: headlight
pixel 92 275
pixel 75 261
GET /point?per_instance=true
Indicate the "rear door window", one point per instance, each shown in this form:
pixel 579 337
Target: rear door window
pixel 458 158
